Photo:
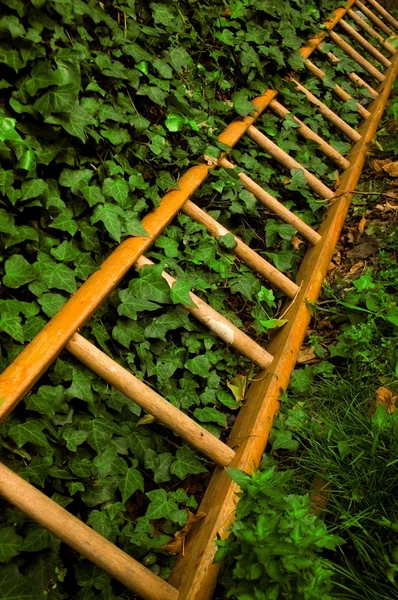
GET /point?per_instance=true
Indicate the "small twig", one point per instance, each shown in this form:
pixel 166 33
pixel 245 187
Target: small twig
pixel 292 300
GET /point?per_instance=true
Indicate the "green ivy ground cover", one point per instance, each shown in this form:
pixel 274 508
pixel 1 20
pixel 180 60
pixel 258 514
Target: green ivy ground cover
pixel 103 106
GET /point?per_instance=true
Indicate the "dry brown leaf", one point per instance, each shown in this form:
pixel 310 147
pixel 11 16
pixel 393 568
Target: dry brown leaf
pixel 296 242
pixel 356 267
pixel 387 207
pixel 319 495
pixel 379 164
pixel 306 355
pixel 391 168
pixel 332 266
pixel 384 397
pixel 362 223
pixel 176 545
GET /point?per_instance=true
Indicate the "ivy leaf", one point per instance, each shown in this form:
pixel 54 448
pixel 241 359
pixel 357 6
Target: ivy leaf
pixel 227 241
pixel 14 586
pixel 37 538
pixel 93 194
pixel 110 215
pixel 175 122
pixel 273 323
pixel 109 463
pixel 179 59
pixel 100 521
pixel 75 179
pixel 29 431
pixel 65 252
pixel 51 303
pixel 301 380
pixel 99 432
pixel 130 483
pixel 246 285
pixel 161 506
pixel 157 144
pixel 155 94
pixel 20 234
pixel 210 415
pixel 186 463
pixel 161 325
pixel 126 332
pixel 18 272
pixel 47 401
pixel 65 222
pixel 6 222
pixel 199 365
pixel 242 104
pixel 118 189
pixel 32 188
pixel 11 324
pixel 150 285
pixel 298 181
pixel 63 99
pixel 58 276
pixel 10 542
pixel 282 260
pixel 159 464
pixel 179 293
pixel 283 440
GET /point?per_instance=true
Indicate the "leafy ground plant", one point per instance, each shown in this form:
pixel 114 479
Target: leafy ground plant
pixel 275 546
pixel 332 426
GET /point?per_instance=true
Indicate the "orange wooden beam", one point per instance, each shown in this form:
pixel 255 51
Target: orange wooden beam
pixel 195 574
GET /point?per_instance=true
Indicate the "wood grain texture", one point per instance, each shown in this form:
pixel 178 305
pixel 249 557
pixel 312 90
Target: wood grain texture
pixel 365 44
pixel 338 90
pixel 374 18
pixel 277 207
pixel 149 400
pixel 359 59
pixel 287 161
pixel 382 11
pixel 328 113
pixel 370 31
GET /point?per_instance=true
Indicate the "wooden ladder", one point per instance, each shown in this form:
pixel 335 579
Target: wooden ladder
pixel 195 574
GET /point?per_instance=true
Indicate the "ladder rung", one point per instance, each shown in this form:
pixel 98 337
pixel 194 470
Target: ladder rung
pixel 219 325
pixel 287 161
pixel 382 11
pixel 149 400
pixel 277 207
pixel 365 44
pixel 349 50
pixel 329 114
pixel 339 91
pixel 378 22
pixel 370 31
pixel 242 251
pixel 352 76
pixel 83 539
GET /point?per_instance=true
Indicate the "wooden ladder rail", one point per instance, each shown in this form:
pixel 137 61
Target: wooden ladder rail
pixel 195 574
pixel 371 32
pixel 124 568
